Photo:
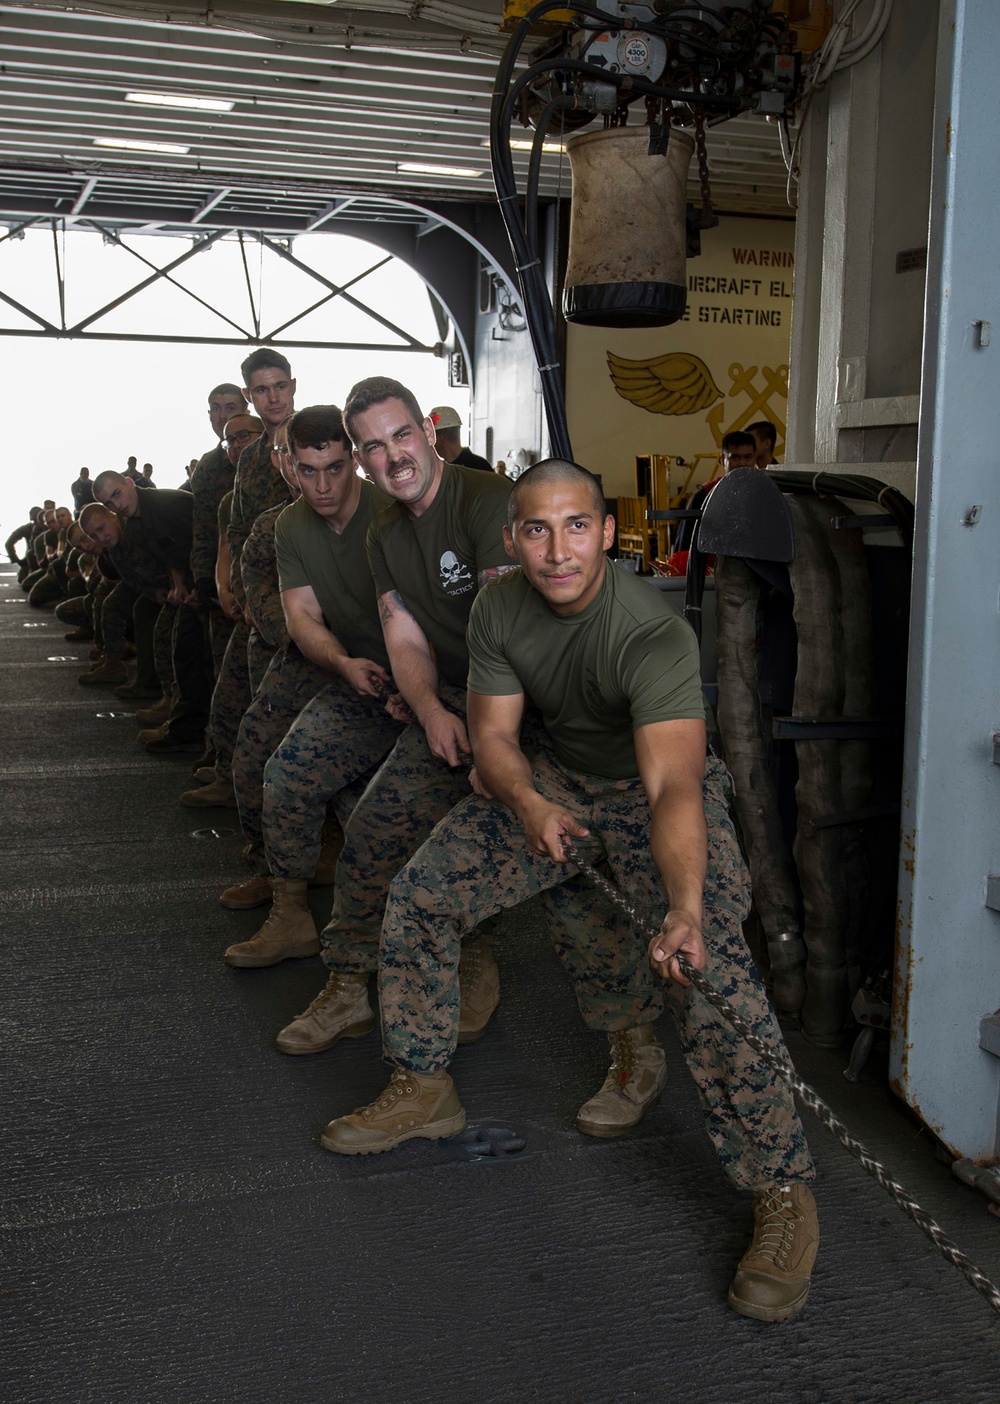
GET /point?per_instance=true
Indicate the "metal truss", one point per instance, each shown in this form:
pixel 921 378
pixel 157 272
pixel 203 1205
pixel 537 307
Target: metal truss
pixel 243 330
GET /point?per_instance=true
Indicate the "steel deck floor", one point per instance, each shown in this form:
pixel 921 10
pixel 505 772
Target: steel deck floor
pixel 173 1233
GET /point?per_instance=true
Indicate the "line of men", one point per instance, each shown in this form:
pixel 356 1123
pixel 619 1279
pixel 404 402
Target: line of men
pixel 391 629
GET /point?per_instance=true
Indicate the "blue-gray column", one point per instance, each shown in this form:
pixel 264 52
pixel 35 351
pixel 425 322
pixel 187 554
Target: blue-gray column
pixel 948 950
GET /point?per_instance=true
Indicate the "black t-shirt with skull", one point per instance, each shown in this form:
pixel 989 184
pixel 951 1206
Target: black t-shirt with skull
pixel 435 560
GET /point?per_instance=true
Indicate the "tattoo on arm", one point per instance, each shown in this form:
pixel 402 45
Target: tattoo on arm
pixel 493 573
pixel 390 605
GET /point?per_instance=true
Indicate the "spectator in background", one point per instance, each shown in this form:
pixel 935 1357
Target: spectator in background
pixel 83 491
pixel 22 533
pixel 448 442
pixel 739 450
pixel 147 473
pixel 133 474
pixel 765 436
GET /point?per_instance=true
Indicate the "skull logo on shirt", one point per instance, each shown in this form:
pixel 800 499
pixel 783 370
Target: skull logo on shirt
pixel 455 576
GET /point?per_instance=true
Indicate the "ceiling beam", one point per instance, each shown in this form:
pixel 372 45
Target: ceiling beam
pixel 310 23
pixel 333 208
pixel 84 195
pixel 216 198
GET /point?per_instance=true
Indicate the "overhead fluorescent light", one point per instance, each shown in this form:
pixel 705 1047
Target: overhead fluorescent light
pixel 521 144
pixel 161 148
pixel 419 168
pixel 193 104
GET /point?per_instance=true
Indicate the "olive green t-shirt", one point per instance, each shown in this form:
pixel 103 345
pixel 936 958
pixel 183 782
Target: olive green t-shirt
pixel 625 661
pixel 434 560
pixel 336 567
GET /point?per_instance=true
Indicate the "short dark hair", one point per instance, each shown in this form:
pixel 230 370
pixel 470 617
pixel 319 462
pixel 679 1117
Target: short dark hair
pixel 765 429
pixel 226 389
pixel 317 425
pixel 737 439
pixel 108 476
pixel 375 391
pixel 92 510
pixel 554 470
pixel 264 358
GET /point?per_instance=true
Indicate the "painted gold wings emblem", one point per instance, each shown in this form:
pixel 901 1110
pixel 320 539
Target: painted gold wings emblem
pixel 675 384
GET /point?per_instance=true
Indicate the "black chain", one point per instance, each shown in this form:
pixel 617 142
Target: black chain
pixel 708 219
pixel 805 1093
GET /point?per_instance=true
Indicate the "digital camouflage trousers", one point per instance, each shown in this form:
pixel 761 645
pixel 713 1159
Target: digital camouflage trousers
pixel 328 755
pixel 289 683
pixel 478 862
pixel 230 699
pixel 73 610
pixel 163 648
pixel 259 655
pixel 116 611
pixel 411 791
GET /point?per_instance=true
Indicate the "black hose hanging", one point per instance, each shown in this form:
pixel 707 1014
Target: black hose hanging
pixel 522 229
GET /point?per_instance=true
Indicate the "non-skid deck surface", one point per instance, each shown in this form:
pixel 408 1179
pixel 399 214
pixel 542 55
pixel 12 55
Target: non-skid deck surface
pixel 172 1231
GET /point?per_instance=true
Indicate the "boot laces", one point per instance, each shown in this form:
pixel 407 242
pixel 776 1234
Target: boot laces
pixel 775 1229
pixel 333 987
pixel 622 1057
pixel 399 1086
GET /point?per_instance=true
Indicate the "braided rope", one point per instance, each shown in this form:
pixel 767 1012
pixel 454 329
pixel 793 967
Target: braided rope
pixel 806 1095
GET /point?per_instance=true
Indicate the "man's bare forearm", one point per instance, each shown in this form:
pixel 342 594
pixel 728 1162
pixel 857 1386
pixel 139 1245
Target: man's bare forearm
pixel 679 842
pixel 505 771
pixel 416 677
pixel 411 659
pixel 318 644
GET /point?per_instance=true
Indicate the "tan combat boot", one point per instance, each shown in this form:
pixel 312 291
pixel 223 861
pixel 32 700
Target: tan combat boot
pixel 415 1105
pixel 632 1087
pixel 254 892
pixel 772 1280
pixel 155 715
pixel 153 733
pixel 217 794
pixel 340 1010
pixel 108 669
pixel 479 984
pixel 288 934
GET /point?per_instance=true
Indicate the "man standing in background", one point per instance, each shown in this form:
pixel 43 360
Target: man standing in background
pixel 83 491
pixel 448 441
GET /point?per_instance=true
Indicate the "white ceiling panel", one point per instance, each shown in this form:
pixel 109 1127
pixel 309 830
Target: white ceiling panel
pixel 326 105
